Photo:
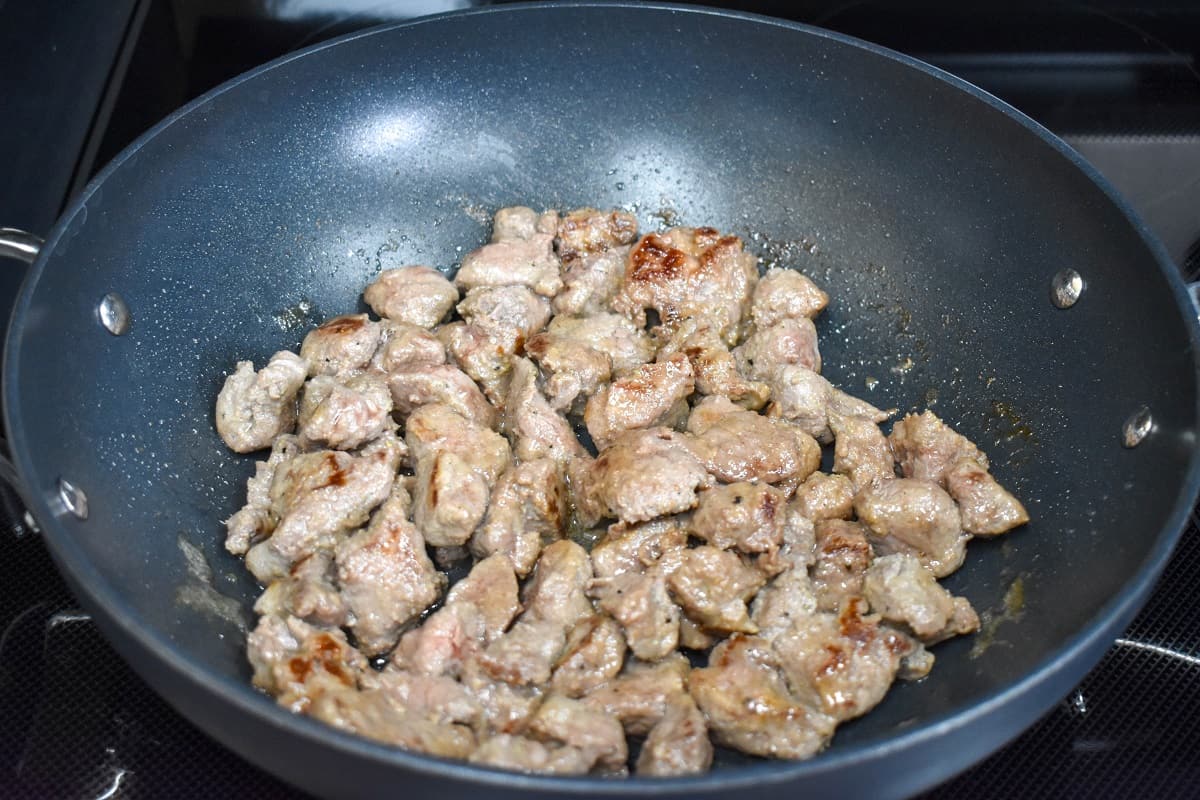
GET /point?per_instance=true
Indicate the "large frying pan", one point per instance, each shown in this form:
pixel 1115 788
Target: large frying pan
pixel 939 215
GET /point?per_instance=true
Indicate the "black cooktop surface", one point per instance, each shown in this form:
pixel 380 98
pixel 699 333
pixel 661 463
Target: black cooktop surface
pixel 1119 83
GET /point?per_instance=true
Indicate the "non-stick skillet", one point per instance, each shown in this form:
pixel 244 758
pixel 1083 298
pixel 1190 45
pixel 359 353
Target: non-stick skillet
pixel 937 217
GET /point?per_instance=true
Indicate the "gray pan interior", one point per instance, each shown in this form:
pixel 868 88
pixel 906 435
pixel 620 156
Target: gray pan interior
pixel 934 215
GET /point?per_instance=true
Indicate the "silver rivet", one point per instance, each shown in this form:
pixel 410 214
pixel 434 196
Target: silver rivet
pixel 1137 427
pixel 114 314
pixel 1065 288
pixel 73 498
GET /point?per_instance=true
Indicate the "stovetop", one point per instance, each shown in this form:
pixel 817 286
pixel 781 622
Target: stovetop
pixel 80 81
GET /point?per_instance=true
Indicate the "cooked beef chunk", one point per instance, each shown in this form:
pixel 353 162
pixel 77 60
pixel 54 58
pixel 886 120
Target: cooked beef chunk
pixel 860 451
pixel 714 367
pixel 594 247
pixel 256 519
pixel 317 498
pixel 824 496
pixel 535 429
pixel 786 343
pixel 527 509
pixel 578 354
pixel 345 414
pixel 527 262
pixel 749 706
pixel 909 515
pixel 417 295
pixel 841 664
pixel 901 590
pixel 738 445
pixel 843 555
pixel 785 294
pixel 713 587
pixel 341 346
pixel 746 516
pixel 439 384
pixel 642 475
pixel 690 272
pixel 386 576
pixel 255 407
pixel 647 396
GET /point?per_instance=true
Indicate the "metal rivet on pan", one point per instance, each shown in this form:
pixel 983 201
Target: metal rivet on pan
pixel 73 498
pixel 114 314
pixel 1065 288
pixel 1136 428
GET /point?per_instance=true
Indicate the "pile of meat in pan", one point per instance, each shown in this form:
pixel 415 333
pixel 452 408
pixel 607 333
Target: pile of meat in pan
pixel 681 575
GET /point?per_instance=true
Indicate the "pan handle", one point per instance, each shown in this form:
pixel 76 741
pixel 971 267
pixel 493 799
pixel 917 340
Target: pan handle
pixel 19 244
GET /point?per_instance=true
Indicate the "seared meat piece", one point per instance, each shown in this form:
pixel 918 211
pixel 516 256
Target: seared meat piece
pixel 679 744
pixel 785 294
pixel 557 591
pixel 520 222
pixel 579 353
pixel 593 655
pixel 648 396
pixel 843 556
pixel 527 509
pixel 506 707
pixel 860 451
pixel 714 366
pixel 512 261
pixel 713 587
pixel 640 695
pixel 386 576
pixel 738 445
pixel 308 592
pixel 640 602
pixel 417 295
pixel 438 698
pixel 909 515
pixel 842 664
pixel 824 496
pixel 805 398
pixel 486 358
pixel 689 272
pixel 634 548
pixel 319 496
pixel 535 429
pixel 521 754
pixel 745 516
pixel 499 322
pixel 749 706
pixel 788 598
pixel 987 507
pixel 255 407
pixel 477 610
pixel 440 384
pixel 341 346
pixel 255 519
pixel 345 414
pixel 798 545
pixel 571 722
pixel 295 661
pixel 509 314
pixel 555 599
pixel 407 348
pixel 693 636
pixel 787 342
pixel 371 715
pixel 926 448
pixel 526 653
pixel 458 462
pixel 901 590
pixel 640 476
pixel 593 246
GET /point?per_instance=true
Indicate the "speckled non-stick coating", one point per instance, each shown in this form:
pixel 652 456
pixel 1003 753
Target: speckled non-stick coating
pixel 934 216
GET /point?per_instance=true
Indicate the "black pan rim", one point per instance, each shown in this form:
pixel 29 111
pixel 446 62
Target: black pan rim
pixel 1086 644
